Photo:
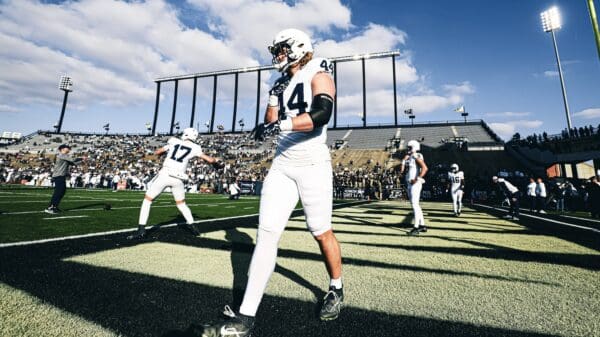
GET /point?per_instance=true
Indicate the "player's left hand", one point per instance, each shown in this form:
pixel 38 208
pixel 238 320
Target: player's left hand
pixel 263 131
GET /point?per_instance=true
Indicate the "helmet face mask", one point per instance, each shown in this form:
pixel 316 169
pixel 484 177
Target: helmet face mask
pixel 292 43
pixel 413 146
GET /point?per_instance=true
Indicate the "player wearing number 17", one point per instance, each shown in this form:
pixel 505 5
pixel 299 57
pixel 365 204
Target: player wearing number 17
pixel 178 154
pixel 300 106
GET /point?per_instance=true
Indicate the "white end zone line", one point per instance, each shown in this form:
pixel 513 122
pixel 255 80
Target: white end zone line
pixel 545 219
pixel 127 230
pixel 67 217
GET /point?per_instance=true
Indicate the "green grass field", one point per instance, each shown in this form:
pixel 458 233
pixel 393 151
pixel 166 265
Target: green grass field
pixel 476 275
pixel 22 217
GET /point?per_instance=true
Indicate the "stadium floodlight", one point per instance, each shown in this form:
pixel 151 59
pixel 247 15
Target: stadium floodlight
pixel 551 19
pixel 242 124
pixel 411 115
pixel 65 84
pixel 551 22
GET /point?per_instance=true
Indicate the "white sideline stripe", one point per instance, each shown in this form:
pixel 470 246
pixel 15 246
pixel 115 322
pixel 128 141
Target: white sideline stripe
pixel 579 218
pixel 67 217
pixel 90 235
pixel 46 201
pixel 114 208
pixel 546 219
pixel 565 216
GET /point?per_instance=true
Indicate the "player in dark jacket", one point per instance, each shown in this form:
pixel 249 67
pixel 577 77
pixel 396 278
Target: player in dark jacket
pixel 59 176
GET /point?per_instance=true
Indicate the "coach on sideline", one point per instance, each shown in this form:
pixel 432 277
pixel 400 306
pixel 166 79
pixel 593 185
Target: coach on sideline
pixel 59 175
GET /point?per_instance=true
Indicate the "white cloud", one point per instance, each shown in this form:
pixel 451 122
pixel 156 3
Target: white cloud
pixel 550 73
pixel 8 108
pixel 507 114
pixel 114 50
pixel 591 113
pixel 507 129
pixel 251 24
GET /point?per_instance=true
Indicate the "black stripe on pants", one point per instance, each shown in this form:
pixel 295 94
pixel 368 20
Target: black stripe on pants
pixel 60 187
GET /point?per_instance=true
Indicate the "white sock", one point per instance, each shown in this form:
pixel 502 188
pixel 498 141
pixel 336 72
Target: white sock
pixel 187 213
pixel 336 282
pixel 144 212
pixel 261 268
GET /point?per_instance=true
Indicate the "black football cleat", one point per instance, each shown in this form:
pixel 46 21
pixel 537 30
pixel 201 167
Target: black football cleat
pixel 190 228
pixel 139 234
pixel 414 231
pixel 237 325
pixel 332 304
pixel 423 229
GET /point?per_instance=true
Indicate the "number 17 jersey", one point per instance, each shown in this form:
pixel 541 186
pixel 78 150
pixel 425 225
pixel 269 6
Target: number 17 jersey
pixel 179 153
pixel 302 148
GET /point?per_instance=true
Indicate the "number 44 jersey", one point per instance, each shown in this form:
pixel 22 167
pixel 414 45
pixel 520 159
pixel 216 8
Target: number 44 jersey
pixel 179 153
pixel 302 148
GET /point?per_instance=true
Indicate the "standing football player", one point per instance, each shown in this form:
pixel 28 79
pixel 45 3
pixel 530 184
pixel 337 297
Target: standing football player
pixel 415 167
pixel 457 186
pixel 299 108
pixel 178 154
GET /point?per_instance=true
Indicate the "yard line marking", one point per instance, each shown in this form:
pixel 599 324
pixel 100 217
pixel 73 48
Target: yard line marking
pixel 546 219
pixel 115 208
pixel 67 217
pixel 248 207
pixel 128 230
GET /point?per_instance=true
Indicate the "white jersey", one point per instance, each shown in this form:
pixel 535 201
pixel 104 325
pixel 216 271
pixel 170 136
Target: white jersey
pixel 410 164
pixel 302 148
pixel 531 189
pixel 179 153
pixel 456 179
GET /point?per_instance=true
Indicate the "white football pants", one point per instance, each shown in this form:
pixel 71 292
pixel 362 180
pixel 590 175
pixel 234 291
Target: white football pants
pixel 457 196
pixel 281 189
pixel 414 194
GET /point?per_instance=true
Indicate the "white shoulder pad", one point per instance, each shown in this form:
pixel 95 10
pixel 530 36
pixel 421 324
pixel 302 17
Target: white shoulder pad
pixel 319 64
pixel 172 141
pixel 418 155
pixel 461 174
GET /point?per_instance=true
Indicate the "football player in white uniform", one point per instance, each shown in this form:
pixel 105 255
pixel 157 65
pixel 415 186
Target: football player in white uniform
pixel 178 154
pixel 415 167
pixel 299 108
pixel 456 179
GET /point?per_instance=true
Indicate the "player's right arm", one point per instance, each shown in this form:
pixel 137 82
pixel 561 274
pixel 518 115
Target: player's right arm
pixel 165 148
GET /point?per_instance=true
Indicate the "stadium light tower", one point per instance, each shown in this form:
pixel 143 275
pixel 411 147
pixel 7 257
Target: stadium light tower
pixel 65 85
pixel 551 22
pixel 411 115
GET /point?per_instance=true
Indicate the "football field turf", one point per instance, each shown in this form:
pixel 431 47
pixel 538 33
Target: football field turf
pixel 476 275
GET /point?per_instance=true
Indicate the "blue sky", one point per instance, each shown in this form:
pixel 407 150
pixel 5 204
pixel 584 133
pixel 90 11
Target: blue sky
pixel 491 56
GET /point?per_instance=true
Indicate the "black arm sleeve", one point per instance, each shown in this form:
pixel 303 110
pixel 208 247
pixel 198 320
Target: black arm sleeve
pixel 320 109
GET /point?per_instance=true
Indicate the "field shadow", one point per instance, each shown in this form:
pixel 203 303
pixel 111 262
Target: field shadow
pixel 585 261
pixel 575 235
pixel 136 304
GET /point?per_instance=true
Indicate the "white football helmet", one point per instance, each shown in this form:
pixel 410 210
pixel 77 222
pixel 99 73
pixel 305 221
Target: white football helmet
pixel 295 43
pixel 189 134
pixel 413 146
pixel 454 167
